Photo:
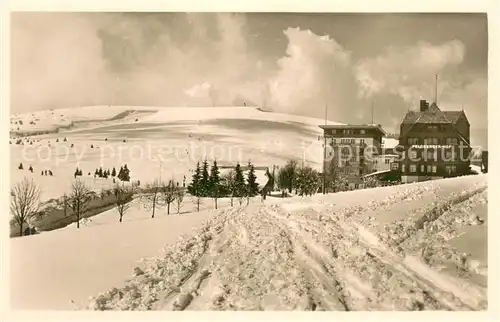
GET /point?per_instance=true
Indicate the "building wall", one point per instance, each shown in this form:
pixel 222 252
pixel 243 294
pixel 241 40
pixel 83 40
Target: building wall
pixel 358 161
pixel 435 155
pixel 383 162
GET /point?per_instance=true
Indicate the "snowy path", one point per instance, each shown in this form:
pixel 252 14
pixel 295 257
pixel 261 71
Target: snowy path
pixel 281 257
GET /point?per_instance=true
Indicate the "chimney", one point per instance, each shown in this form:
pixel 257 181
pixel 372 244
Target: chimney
pixel 424 106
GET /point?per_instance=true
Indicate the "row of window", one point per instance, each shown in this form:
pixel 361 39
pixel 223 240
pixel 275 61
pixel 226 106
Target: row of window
pixel 436 128
pixel 348 131
pixel 429 168
pixel 413 168
pixel 348 141
pixel 432 141
pixel 432 155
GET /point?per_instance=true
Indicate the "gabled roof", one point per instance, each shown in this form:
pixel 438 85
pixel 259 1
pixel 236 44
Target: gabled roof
pixel 434 115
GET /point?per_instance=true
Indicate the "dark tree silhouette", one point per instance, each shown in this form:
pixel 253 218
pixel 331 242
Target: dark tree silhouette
pixel 252 185
pixel 151 197
pixel 123 194
pixel 214 183
pixel 79 199
pixel 168 192
pixel 24 202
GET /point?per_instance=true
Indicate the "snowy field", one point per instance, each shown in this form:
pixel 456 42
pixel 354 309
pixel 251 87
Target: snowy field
pixel 159 141
pixel 410 247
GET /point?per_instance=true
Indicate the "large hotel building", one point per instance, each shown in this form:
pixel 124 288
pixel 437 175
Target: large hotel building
pixel 434 144
pixel 351 151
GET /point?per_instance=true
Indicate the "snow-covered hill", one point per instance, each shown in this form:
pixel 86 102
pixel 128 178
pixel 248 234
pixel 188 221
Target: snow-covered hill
pixel 411 247
pixel 154 141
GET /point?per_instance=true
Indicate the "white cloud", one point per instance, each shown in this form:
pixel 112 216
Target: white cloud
pixel 409 71
pixel 308 71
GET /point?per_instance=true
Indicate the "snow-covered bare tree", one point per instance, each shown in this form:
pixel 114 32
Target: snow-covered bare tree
pixel 179 198
pixel 64 204
pixel 228 184
pixel 168 192
pixel 79 199
pixel 24 202
pixel 124 195
pixel 151 197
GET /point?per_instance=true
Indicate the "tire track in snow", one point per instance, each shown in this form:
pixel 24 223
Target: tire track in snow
pixel 453 297
pixel 259 258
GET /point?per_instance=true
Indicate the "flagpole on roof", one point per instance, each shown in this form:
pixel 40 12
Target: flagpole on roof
pixel 436 90
pixel 372 112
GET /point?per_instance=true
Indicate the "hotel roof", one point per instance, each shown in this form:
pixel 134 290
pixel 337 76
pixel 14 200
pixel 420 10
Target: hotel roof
pixel 353 126
pixel 433 115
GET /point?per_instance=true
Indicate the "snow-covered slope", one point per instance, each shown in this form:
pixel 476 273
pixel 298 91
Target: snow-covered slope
pixel 409 247
pixel 166 141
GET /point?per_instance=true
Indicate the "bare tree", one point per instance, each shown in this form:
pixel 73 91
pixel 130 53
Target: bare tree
pixel 197 201
pixel 79 199
pixel 179 198
pixel 64 203
pixel 151 197
pixel 168 193
pixel 124 195
pixel 24 202
pixel 103 194
pixel 229 184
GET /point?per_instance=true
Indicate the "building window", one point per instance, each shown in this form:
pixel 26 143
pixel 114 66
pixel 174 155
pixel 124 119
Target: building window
pixel 412 141
pixel 413 168
pixel 429 168
pixel 413 154
pixel 362 141
pixel 422 168
pixel 434 169
pixel 450 156
pixel 430 141
pixel 394 166
pixel 451 169
pixel 387 161
pixel 403 168
pixel 334 131
pixel 451 141
pixel 432 128
pixel 430 155
pixel 362 131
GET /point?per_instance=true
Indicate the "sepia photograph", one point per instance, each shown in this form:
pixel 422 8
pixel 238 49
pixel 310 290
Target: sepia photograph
pixel 248 161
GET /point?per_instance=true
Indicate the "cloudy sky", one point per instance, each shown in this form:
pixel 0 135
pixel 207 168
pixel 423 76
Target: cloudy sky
pixel 292 63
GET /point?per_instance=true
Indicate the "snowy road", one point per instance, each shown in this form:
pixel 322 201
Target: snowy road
pixel 320 256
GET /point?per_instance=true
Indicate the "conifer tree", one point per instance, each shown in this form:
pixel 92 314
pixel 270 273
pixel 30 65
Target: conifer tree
pixel 194 186
pixel 214 183
pixel 113 172
pixel 126 173
pixel 239 182
pixel 20 166
pixel 204 181
pixel 120 173
pixel 252 185
pixel 100 173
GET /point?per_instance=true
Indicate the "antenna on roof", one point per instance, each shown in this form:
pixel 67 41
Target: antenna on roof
pixel 326 113
pixel 436 90
pixel 372 112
